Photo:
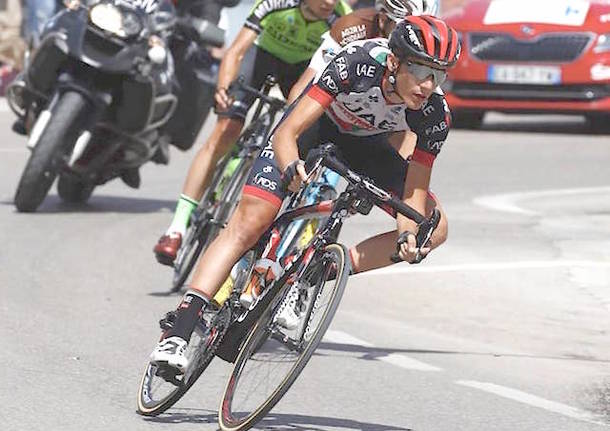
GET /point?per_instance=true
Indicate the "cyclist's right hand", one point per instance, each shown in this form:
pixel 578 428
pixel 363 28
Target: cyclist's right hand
pixel 222 98
pixel 294 175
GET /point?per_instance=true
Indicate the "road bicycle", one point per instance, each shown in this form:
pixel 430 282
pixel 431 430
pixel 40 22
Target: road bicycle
pixel 222 196
pixel 268 357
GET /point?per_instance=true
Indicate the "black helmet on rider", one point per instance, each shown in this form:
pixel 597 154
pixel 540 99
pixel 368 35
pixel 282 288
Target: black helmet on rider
pixel 425 40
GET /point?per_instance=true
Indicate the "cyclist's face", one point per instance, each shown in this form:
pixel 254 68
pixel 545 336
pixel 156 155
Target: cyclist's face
pixel 386 24
pixel 412 90
pixel 322 9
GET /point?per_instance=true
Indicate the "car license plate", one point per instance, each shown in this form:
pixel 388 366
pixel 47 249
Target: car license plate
pixel 509 74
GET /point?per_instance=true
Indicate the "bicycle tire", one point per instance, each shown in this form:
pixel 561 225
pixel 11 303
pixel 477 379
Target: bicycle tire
pixel 146 405
pixel 251 351
pixel 199 237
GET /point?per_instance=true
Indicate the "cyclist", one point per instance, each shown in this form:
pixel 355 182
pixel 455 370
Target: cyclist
pixel 366 99
pixel 278 38
pixel 361 24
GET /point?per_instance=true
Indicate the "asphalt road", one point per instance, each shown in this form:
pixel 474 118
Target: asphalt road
pixel 506 327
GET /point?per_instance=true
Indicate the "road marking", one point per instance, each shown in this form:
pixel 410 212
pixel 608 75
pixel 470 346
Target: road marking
pixel 4 106
pixel 533 400
pixel 492 266
pixel 13 150
pixel 395 359
pixel 508 202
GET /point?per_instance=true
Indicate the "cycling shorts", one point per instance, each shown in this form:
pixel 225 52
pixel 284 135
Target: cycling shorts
pixel 371 156
pixel 256 65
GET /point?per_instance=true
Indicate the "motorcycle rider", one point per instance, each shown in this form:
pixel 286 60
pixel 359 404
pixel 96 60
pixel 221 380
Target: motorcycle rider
pixel 279 38
pixel 365 101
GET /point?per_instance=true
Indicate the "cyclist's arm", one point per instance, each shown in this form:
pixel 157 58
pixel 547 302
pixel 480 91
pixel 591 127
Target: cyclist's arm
pixel 229 67
pixel 284 140
pixel 431 125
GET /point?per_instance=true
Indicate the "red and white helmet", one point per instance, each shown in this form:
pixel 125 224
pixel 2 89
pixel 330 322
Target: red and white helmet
pixel 398 9
pixel 427 40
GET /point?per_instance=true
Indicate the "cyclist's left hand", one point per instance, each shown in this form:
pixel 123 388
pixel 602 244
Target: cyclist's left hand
pixel 409 252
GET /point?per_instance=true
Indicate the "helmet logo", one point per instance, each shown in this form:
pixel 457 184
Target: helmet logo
pixel 413 37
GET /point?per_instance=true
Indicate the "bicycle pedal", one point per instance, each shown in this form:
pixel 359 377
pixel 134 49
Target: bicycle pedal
pixel 169 374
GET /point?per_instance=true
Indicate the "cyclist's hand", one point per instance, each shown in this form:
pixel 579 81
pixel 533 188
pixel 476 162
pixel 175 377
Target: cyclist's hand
pixel 409 252
pixel 223 101
pixel 294 175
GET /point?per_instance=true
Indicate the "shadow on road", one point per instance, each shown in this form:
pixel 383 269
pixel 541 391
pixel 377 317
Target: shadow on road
pixel 276 422
pixel 102 204
pixel 374 353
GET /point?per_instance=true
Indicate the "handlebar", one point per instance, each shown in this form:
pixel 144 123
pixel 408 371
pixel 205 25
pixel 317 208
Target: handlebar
pixel 326 157
pixel 274 102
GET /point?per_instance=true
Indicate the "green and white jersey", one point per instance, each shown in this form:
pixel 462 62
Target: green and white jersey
pixel 284 33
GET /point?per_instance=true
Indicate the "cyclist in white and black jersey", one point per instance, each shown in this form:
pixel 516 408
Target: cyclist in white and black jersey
pixel 365 101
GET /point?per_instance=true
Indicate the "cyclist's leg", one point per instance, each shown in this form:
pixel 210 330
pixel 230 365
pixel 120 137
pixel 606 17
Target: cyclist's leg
pixel 261 200
pixel 375 252
pixel 376 158
pixel 226 131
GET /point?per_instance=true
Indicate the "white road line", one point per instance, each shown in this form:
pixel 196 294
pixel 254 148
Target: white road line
pixel 395 359
pixel 4 106
pixel 13 150
pixel 508 202
pixel 491 266
pixel 532 400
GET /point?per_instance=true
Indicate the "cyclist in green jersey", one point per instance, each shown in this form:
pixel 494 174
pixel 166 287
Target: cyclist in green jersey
pixel 278 38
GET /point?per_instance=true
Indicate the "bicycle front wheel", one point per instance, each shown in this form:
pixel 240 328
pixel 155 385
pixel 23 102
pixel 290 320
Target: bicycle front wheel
pixel 272 357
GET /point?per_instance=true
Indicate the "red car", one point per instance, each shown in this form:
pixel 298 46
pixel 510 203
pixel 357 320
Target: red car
pixel 531 56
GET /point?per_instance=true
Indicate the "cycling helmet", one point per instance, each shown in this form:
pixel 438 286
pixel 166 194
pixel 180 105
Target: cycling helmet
pixel 427 40
pixel 398 9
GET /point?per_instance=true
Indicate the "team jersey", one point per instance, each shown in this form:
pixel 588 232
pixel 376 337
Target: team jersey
pixel 350 90
pixel 283 32
pixel 358 25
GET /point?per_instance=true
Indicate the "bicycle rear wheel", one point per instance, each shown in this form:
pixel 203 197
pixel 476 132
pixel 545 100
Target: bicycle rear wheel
pixel 272 357
pixel 159 390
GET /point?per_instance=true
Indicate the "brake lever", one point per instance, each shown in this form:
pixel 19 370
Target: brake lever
pixel 426 229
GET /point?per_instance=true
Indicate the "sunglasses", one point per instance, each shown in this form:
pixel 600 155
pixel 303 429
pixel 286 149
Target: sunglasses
pixel 423 72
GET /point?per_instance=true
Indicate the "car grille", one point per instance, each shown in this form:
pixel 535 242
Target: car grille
pixel 552 47
pixel 522 92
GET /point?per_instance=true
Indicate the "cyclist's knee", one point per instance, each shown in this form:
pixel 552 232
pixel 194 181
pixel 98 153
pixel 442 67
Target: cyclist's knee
pixel 251 219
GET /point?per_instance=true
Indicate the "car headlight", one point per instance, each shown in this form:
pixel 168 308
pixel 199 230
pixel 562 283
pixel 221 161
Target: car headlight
pixel 603 43
pixel 114 20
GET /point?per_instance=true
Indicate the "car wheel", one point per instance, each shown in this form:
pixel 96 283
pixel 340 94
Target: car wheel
pixel 467 119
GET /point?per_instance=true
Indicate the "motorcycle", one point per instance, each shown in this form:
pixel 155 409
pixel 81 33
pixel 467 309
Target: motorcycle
pixel 98 96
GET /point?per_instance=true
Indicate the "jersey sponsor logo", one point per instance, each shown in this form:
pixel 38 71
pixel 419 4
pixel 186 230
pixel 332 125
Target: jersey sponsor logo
pixel 427 109
pixel 435 146
pixel 268 151
pixel 440 127
pixel 413 37
pixel 330 83
pixel 350 34
pixel 268 169
pixel 271 5
pixel 350 49
pixel 341 67
pixel 262 181
pixel 367 70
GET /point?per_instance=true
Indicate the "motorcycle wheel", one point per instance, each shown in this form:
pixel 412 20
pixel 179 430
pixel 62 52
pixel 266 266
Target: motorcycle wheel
pixel 72 190
pixel 54 145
